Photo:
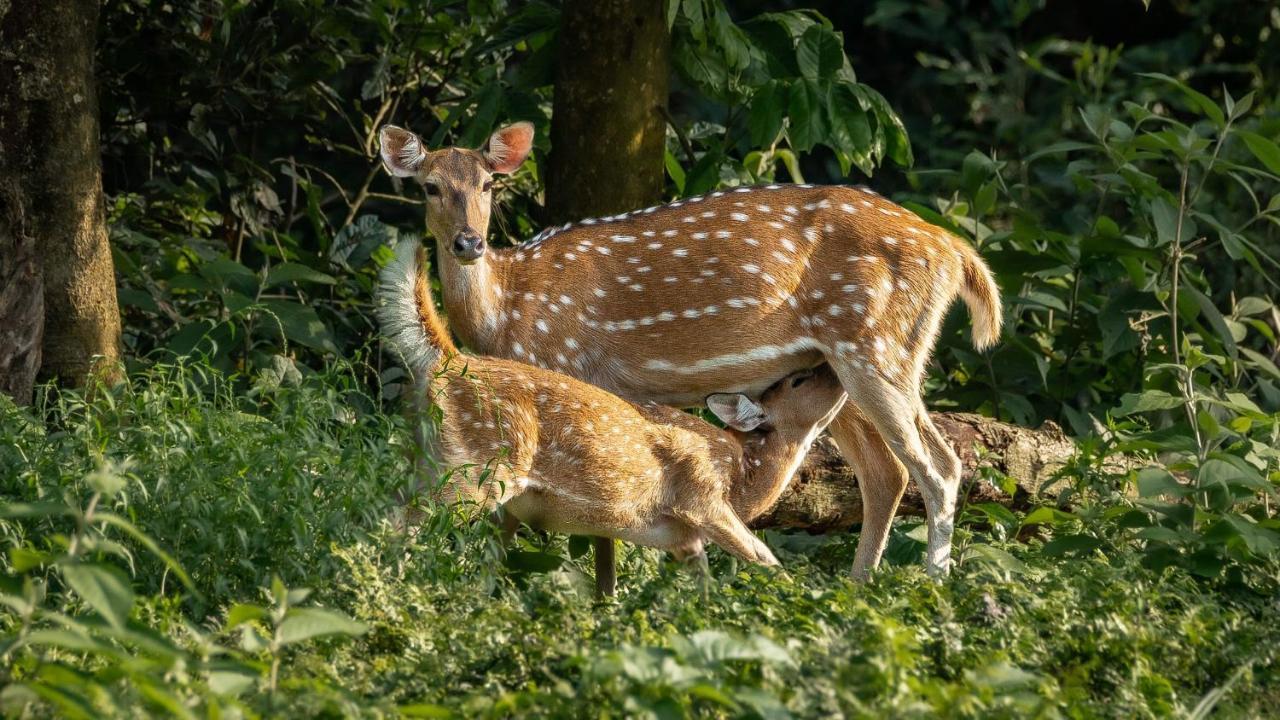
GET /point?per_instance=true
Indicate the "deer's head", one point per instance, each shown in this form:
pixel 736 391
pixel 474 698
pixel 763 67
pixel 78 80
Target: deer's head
pixel 458 181
pixel 797 404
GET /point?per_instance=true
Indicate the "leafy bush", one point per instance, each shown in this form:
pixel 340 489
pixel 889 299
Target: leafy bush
pixel 100 618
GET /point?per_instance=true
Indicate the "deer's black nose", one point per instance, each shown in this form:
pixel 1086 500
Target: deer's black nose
pixel 467 246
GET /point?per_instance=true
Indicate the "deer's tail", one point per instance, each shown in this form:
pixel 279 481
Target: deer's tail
pixel 980 292
pixel 407 312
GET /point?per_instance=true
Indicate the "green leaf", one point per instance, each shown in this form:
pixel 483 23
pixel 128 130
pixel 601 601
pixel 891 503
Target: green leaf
pixel 1047 516
pixel 1215 318
pixel 301 324
pixel 1206 106
pixel 820 53
pixel 1146 401
pixel 229 682
pixel 808 116
pixel 1154 482
pixel 1267 152
pixel 241 613
pixel 1071 544
pixel 1165 218
pixel 1059 148
pixel 768 108
pixel 1258 539
pixel 692 11
pixel 296 272
pixel 229 274
pixel 991 555
pixel 306 623
pixel 850 126
pixel 104 588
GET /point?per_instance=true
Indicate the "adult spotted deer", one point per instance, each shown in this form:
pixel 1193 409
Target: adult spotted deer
pixel 724 292
pixel 564 455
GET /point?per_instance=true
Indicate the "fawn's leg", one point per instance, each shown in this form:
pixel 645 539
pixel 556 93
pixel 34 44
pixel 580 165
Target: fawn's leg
pixel 896 413
pixel 722 526
pixel 881 479
pixel 606 560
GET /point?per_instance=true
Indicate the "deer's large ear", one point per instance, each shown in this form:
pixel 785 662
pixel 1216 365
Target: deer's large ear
pixel 736 410
pixel 402 151
pixel 508 147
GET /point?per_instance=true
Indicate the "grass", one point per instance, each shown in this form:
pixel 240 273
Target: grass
pixel 245 483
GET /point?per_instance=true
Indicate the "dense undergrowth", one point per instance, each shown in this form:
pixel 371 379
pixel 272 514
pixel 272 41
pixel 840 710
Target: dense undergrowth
pixel 171 523
pixel 158 536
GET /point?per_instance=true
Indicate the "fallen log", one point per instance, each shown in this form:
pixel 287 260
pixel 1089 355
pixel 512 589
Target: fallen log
pixel 825 496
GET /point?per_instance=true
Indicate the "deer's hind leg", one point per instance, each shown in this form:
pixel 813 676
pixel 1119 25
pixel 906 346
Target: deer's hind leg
pixel 897 412
pixel 881 480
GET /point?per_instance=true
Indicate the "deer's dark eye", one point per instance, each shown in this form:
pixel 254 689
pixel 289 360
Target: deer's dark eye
pixel 433 189
pixel 488 185
pixel 799 381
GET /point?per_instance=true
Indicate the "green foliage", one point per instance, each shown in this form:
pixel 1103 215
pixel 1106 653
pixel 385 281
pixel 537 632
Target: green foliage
pixel 1126 195
pixel 1135 251
pixel 249 212
pixel 100 619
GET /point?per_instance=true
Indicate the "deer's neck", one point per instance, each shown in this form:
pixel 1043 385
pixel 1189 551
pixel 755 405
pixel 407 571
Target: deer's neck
pixel 769 462
pixel 473 297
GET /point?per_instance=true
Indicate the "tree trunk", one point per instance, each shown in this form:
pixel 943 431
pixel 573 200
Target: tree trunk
pixel 608 130
pixel 21 298
pixel 49 144
pixel 824 495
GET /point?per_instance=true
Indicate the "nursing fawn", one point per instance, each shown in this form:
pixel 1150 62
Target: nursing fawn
pixel 567 456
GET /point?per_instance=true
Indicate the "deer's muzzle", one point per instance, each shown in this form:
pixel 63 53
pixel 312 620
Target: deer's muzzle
pixel 467 246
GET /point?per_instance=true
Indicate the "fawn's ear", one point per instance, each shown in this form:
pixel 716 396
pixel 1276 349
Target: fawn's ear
pixel 402 151
pixel 508 147
pixel 736 410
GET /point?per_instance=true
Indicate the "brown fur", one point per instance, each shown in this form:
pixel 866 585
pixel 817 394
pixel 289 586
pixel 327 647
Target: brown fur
pixel 728 292
pixel 568 456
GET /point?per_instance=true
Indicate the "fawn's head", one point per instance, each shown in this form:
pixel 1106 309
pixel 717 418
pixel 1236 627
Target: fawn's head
pixel 458 181
pixel 794 405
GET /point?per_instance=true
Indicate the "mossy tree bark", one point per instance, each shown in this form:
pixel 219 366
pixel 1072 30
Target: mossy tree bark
pixel 608 128
pixel 49 147
pixel 21 298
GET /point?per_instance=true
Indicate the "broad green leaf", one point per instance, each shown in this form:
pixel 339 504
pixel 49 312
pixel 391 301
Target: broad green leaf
pixel 850 126
pixel 768 108
pixel 992 555
pixel 229 682
pixel 819 53
pixel 1205 105
pixel 300 324
pixel 1154 482
pixel 296 272
pixel 1258 539
pixel 1047 516
pixel 306 623
pixel 808 115
pixel 1058 148
pixel 1215 318
pixel 241 613
pixel 1071 544
pixel 1146 401
pixel 104 588
pixel 1267 152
